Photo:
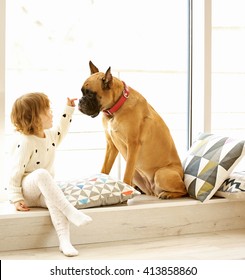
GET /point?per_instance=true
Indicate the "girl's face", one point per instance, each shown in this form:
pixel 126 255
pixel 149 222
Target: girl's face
pixel 47 119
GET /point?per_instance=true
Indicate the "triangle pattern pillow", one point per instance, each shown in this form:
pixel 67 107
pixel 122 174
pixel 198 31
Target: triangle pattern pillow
pixel 96 190
pixel 209 162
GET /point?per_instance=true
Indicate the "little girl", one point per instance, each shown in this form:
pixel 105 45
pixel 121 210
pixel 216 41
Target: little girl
pixel 32 176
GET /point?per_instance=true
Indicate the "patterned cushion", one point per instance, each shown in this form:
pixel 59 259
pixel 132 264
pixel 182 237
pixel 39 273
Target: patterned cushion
pixel 96 190
pixel 233 187
pixel 209 162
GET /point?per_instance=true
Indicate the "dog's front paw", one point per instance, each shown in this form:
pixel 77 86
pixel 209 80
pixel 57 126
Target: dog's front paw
pixel 169 195
pixel 164 195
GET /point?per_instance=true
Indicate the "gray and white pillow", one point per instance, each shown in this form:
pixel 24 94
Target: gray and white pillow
pixel 97 190
pixel 210 160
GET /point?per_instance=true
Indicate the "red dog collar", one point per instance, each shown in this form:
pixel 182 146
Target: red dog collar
pixel 119 103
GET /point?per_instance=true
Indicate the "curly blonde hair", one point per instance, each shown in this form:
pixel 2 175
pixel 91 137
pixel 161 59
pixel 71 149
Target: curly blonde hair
pixel 26 111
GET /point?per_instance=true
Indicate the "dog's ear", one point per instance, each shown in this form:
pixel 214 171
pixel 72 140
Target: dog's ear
pixel 107 79
pixel 93 68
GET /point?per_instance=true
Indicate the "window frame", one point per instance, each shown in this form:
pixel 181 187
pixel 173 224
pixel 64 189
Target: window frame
pixel 201 67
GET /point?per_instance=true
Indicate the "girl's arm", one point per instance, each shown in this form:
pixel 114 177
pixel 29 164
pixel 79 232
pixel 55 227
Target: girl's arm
pixel 65 121
pixel 19 158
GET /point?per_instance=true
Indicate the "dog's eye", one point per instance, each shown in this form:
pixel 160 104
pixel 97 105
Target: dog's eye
pixel 88 92
pixel 84 91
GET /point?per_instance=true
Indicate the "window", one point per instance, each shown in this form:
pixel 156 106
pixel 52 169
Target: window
pixel 49 45
pixel 2 93
pixel 228 68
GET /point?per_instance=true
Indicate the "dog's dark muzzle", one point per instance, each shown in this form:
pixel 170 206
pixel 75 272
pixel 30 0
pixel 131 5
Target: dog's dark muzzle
pixel 89 105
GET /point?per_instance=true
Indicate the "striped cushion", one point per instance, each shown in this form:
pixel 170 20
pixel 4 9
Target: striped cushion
pixel 233 187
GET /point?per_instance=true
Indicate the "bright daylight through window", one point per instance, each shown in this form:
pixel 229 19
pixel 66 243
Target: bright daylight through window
pixel 147 48
pixel 146 43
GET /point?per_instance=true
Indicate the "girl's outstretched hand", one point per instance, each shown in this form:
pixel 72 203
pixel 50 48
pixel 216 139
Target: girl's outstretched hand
pixel 71 102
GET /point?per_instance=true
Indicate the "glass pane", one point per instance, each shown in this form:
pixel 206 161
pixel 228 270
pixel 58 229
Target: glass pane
pixel 49 45
pixel 228 77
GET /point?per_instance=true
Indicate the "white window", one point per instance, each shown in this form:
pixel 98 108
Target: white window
pixel 228 68
pixel 147 44
pixel 49 45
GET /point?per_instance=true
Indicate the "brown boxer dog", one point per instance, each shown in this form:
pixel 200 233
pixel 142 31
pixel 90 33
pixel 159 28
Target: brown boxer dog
pixel 133 128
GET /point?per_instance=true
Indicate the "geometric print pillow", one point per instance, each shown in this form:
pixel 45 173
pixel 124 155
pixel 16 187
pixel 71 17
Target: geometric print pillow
pixel 233 187
pixel 209 162
pixel 96 190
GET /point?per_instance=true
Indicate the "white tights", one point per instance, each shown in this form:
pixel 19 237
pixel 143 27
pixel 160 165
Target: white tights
pixel 40 190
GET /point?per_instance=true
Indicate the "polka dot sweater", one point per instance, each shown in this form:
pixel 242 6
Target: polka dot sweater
pixel 31 152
